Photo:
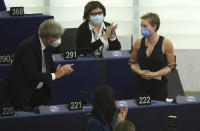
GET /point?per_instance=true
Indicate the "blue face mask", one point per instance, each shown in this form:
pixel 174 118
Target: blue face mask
pixel 97 19
pixel 145 32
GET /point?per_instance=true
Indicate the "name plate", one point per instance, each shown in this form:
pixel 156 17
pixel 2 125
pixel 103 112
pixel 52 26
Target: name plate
pixel 7 110
pixel 143 100
pixel 16 11
pixel 75 105
pixel 70 54
pixel 5 59
pixel 52 109
pixel 172 121
pixel 115 54
pixel 186 99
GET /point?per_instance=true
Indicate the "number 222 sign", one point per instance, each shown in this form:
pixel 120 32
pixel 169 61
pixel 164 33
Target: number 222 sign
pixel 144 100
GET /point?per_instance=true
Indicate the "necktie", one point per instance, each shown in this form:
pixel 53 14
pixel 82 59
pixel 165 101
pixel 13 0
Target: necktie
pixel 46 60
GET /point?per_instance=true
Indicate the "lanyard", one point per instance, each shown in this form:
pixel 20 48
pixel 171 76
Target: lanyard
pixel 94 34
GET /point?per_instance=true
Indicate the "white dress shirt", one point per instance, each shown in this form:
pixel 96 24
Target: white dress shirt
pixel 96 36
pixel 44 70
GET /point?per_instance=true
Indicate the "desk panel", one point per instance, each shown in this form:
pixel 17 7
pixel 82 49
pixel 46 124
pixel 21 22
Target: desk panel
pixel 145 118
pixel 92 72
pixel 17 28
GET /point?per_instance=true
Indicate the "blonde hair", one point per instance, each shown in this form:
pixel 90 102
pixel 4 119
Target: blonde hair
pixel 124 126
pixel 153 19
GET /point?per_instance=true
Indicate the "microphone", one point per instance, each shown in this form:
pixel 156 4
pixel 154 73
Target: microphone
pixel 85 102
pixel 82 91
pixel 86 52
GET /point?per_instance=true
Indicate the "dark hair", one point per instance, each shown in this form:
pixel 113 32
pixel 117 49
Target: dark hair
pixel 91 6
pixel 124 126
pixel 153 19
pixel 104 105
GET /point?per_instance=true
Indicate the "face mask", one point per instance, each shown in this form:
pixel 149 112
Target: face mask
pixel 56 43
pixel 97 19
pixel 145 32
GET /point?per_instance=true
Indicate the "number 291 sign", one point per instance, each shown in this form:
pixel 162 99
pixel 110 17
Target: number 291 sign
pixel 70 54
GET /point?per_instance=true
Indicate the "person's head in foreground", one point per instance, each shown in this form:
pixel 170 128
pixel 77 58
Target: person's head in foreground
pixel 104 109
pixel 124 126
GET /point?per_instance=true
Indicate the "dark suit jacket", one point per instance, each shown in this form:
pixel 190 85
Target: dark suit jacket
pixel 26 72
pixel 84 37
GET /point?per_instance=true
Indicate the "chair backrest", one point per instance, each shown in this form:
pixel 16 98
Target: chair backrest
pixel 68 40
pixel 174 85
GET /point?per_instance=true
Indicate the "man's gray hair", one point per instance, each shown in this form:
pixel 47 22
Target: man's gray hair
pixel 50 28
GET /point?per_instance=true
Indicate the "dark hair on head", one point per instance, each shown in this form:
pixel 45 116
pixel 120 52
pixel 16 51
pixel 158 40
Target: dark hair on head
pixel 91 6
pixel 153 19
pixel 104 105
pixel 124 126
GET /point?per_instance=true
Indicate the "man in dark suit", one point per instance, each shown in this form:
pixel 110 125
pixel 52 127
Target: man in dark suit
pixel 33 69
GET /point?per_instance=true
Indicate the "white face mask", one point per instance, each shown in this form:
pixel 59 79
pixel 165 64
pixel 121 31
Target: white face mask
pixel 56 43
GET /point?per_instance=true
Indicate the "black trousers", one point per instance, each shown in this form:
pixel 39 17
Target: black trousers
pixel 4 97
pixel 157 89
pixel 40 97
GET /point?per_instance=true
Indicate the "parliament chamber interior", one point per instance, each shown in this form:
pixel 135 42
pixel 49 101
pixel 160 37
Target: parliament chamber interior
pixel 93 58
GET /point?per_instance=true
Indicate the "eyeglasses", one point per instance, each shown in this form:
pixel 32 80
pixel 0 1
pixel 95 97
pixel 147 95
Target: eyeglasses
pixel 96 13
